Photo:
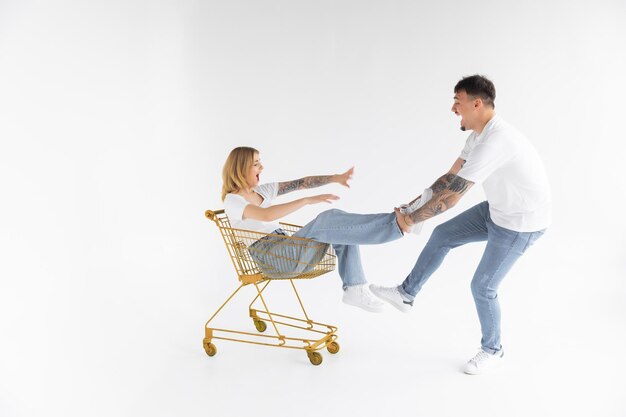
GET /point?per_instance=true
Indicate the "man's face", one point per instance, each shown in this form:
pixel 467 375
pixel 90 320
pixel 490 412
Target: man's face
pixel 466 107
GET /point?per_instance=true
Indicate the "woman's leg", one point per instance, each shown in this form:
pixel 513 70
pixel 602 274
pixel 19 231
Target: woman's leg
pixel 338 227
pixel 350 268
pixel 281 257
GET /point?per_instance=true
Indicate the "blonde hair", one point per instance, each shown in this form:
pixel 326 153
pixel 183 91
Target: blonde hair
pixel 235 169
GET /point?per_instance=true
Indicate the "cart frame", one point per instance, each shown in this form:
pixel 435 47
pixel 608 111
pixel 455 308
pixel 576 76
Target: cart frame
pixel 317 335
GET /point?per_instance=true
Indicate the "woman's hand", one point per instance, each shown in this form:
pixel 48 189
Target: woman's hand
pixel 344 178
pixel 321 198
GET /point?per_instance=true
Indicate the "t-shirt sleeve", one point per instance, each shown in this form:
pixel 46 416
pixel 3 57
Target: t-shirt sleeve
pixel 467 149
pixel 484 159
pixel 234 206
pixel 269 192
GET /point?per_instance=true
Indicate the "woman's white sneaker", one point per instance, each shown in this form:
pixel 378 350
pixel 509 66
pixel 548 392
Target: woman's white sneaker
pixel 393 296
pixel 360 296
pixel 483 362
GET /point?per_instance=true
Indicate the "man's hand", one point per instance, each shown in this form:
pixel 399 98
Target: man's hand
pixel 404 221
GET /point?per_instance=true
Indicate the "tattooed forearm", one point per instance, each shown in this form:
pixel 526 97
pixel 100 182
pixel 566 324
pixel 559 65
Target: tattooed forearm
pixel 442 200
pixel 303 183
pixel 442 183
pixel 459 185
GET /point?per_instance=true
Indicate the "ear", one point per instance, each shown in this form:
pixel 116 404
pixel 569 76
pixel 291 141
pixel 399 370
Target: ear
pixel 478 103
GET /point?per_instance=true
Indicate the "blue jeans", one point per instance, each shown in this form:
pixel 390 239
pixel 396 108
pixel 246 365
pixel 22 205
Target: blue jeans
pixel 504 247
pixel 345 231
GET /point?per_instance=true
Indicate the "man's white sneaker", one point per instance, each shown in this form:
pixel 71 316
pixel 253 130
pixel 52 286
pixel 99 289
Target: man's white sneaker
pixel 483 362
pixel 393 296
pixel 360 296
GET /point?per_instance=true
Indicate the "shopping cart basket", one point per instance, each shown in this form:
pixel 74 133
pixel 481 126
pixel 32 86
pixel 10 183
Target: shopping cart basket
pixel 296 258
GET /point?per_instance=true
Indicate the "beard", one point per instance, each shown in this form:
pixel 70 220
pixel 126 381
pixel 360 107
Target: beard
pixel 462 128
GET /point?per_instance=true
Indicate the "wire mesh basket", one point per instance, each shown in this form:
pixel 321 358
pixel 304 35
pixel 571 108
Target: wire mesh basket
pixel 274 255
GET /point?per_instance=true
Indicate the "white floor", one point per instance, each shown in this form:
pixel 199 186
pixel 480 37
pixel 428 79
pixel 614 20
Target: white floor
pixel 106 352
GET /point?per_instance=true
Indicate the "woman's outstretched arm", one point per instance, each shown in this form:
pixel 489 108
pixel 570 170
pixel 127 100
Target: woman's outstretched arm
pixel 315 181
pixel 275 212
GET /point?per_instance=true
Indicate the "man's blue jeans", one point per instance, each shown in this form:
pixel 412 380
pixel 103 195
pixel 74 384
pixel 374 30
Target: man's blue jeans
pixel 504 247
pixel 345 231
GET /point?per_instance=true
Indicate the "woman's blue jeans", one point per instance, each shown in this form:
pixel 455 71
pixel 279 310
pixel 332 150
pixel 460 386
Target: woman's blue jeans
pixel 345 231
pixel 504 247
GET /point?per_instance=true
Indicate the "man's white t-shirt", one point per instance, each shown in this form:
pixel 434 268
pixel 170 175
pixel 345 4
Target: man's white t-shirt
pixel 512 175
pixel 235 204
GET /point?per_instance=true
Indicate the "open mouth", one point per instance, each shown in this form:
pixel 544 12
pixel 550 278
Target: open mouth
pixel 461 122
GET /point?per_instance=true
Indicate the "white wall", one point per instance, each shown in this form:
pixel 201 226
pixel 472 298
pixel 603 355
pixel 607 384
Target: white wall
pixel 116 117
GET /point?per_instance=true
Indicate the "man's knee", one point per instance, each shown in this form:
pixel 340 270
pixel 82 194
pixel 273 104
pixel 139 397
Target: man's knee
pixel 481 290
pixel 439 236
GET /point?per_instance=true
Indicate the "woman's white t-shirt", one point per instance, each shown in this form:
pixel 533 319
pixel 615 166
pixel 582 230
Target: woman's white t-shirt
pixel 235 204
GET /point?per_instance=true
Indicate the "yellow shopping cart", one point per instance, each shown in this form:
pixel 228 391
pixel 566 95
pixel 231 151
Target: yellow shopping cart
pixel 259 261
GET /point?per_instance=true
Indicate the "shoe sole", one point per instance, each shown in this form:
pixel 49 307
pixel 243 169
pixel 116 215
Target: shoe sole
pixel 405 308
pixel 478 371
pixel 362 307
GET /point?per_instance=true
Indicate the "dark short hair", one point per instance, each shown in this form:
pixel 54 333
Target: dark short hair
pixel 478 86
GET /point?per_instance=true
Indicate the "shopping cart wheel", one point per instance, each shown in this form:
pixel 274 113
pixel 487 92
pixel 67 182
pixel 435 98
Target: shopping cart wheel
pixel 315 358
pixel 333 347
pixel 209 348
pixel 260 325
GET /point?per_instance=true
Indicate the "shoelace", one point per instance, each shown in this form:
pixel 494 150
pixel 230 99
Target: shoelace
pixel 369 296
pixel 480 357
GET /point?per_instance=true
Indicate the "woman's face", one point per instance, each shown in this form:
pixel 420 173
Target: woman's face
pixel 254 172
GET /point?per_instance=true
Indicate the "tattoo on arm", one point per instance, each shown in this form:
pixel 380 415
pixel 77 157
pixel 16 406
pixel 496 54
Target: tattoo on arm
pixel 303 184
pixel 459 185
pixel 443 199
pixel 442 183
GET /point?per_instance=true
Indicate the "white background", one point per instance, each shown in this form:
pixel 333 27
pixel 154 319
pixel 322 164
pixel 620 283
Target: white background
pixel 116 118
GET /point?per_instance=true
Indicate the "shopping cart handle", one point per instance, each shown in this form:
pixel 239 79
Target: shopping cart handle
pixel 211 215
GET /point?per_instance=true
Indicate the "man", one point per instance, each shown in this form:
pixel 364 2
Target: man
pixel 515 215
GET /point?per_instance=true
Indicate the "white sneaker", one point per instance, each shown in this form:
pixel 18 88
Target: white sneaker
pixel 360 296
pixel 483 362
pixel 393 296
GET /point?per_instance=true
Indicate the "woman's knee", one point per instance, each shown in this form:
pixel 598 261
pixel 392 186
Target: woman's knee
pixel 328 214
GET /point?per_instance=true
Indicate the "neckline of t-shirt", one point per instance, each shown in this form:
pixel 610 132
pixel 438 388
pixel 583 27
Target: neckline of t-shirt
pixel 250 202
pixel 487 127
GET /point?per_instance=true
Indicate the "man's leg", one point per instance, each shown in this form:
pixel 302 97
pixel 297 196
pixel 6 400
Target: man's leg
pixel 469 226
pixel 504 247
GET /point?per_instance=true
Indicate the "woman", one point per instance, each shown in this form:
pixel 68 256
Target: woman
pixel 249 206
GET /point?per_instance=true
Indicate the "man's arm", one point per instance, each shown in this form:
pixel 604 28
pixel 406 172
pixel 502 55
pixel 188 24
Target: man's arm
pixel 313 182
pixel 450 189
pixel 445 179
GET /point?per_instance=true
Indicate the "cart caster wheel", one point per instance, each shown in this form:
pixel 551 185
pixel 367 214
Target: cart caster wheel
pixel 209 348
pixel 260 325
pixel 315 358
pixel 333 347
